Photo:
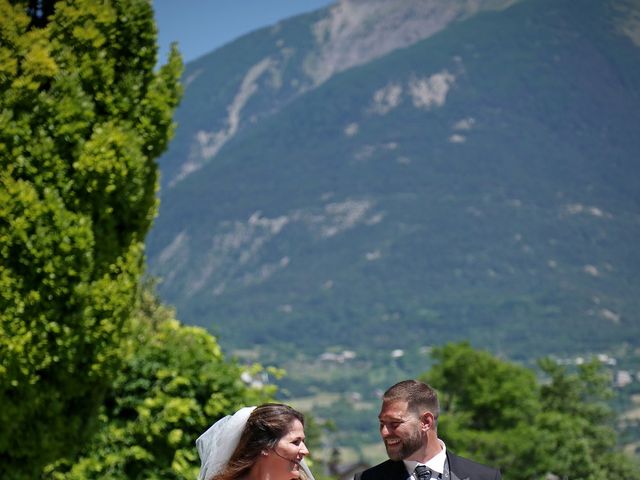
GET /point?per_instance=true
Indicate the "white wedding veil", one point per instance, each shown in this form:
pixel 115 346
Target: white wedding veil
pixel 217 444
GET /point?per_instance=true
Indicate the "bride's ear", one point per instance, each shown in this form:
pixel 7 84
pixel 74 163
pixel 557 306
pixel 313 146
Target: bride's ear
pixel 264 452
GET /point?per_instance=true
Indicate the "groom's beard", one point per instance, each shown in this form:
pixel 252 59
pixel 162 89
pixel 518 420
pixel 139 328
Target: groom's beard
pixel 406 447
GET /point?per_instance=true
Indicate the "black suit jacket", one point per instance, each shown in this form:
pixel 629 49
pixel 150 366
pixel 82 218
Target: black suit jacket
pixel 460 469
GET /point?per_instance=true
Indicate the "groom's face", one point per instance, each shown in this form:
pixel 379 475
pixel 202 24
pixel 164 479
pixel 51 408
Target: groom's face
pixel 400 430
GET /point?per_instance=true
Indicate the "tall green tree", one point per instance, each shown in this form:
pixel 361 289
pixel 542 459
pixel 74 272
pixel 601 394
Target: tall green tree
pixel 489 406
pixel 83 115
pixel 580 440
pixel 501 413
pixel 174 385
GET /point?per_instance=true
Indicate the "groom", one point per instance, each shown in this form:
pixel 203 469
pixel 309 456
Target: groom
pixel 408 425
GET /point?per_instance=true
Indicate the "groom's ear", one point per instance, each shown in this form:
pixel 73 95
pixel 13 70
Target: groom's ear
pixel 427 420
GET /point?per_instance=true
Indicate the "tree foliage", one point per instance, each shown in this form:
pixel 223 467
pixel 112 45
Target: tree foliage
pixel 175 384
pixel 499 413
pixel 83 115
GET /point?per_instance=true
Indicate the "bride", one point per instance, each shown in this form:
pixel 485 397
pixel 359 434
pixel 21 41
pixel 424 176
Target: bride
pixel 255 443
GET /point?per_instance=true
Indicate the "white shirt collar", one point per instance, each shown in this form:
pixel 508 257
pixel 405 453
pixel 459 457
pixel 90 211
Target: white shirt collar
pixel 435 464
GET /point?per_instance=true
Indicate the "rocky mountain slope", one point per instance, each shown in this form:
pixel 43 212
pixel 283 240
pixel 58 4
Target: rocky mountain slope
pixel 411 172
pixel 264 71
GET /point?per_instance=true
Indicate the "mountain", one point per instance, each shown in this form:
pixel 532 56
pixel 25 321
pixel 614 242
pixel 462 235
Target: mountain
pixel 405 173
pixel 257 75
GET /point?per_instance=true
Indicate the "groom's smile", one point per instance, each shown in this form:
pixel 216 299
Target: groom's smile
pixel 400 430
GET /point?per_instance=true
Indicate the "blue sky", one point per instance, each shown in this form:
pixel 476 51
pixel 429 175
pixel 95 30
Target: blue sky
pixel 200 26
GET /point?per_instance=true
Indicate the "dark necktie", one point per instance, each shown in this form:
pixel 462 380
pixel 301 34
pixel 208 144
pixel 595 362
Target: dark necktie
pixel 422 473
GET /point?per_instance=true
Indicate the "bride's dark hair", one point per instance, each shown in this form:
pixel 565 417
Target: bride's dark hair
pixel 266 425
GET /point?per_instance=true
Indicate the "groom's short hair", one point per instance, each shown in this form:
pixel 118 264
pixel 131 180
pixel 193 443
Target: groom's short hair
pixel 418 395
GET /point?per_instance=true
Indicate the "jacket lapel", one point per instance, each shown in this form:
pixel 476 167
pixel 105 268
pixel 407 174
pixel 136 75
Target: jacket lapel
pixel 454 470
pixel 398 470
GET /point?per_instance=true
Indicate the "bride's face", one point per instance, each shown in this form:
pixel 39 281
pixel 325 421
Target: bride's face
pixel 284 459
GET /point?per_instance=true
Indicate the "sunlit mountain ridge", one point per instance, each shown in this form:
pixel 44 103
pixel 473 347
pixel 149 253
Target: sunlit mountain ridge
pixel 407 173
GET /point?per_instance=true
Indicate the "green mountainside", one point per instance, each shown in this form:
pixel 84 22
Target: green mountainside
pixel 479 181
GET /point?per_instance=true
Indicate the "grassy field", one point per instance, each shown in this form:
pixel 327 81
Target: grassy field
pixel 373 453
pixel 307 404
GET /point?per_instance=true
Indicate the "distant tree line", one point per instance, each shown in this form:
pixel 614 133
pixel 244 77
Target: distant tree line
pixel 500 413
